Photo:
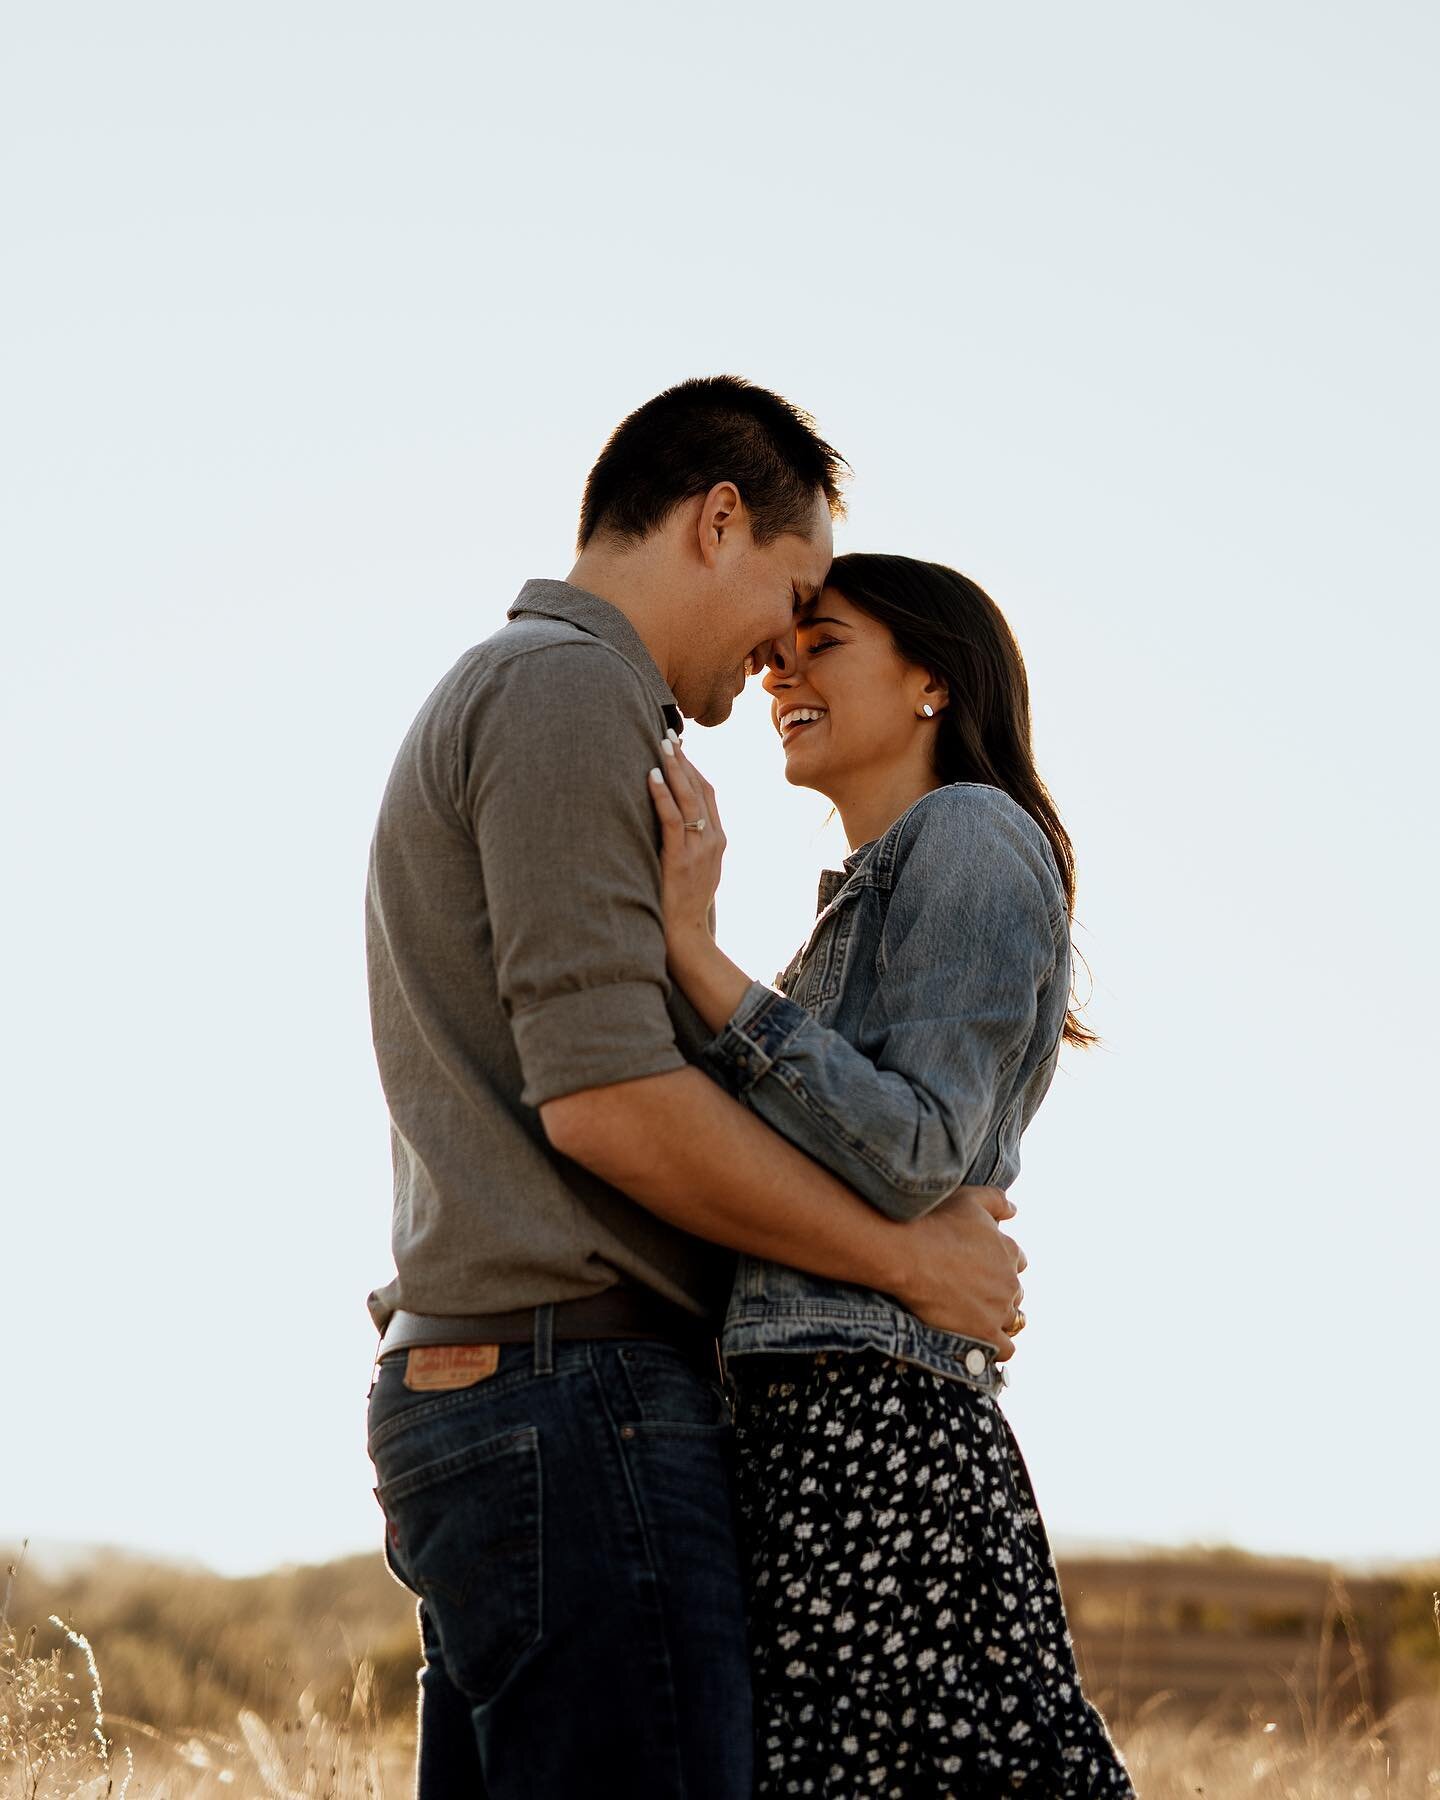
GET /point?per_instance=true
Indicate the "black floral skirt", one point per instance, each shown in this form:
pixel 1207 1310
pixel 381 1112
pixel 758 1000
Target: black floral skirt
pixel 908 1634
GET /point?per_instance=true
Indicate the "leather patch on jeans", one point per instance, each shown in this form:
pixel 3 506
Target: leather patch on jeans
pixel 431 1368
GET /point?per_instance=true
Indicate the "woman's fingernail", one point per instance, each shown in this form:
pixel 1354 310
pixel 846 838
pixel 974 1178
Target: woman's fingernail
pixel 657 778
pixel 668 747
pixel 672 734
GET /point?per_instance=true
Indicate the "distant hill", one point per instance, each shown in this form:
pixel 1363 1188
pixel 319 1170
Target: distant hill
pixel 183 1648
pixel 179 1646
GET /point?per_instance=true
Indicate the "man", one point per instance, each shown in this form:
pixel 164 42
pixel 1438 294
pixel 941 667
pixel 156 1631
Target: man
pixel 550 1444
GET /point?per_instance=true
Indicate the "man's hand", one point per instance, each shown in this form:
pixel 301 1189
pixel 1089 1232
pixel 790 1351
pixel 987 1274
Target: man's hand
pixel 965 1272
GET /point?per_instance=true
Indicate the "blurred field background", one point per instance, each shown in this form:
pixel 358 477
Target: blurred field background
pixel 302 1681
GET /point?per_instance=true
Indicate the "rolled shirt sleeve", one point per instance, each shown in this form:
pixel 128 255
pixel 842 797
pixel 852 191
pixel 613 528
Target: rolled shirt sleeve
pixel 552 761
pixel 972 935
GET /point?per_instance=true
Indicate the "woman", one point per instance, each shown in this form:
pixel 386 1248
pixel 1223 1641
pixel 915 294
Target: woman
pixel 907 1629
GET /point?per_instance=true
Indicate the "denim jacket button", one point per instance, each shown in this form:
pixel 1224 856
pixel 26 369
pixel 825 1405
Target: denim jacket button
pixel 975 1362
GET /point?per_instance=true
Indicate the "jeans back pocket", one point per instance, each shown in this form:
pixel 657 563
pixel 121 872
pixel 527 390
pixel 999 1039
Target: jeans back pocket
pixel 465 1536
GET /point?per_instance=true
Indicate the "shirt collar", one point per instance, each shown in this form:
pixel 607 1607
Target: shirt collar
pixel 588 612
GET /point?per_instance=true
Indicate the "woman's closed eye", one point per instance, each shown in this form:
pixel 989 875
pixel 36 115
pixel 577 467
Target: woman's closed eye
pixel 819 644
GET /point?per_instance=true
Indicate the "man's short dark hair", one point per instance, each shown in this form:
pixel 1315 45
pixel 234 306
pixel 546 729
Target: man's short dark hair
pixel 686 440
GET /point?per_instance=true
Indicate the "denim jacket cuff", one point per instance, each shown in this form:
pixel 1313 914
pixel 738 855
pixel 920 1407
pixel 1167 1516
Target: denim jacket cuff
pixel 753 1037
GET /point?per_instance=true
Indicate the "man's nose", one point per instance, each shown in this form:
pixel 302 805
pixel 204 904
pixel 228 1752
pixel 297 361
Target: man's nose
pixel 780 660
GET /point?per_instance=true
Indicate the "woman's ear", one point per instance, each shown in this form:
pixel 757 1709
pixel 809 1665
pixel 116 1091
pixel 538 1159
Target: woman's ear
pixel 934 697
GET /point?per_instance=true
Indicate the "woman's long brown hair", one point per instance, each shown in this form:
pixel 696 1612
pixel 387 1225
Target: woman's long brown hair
pixel 946 623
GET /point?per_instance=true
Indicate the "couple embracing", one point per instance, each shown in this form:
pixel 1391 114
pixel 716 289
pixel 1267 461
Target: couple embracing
pixel 685 1412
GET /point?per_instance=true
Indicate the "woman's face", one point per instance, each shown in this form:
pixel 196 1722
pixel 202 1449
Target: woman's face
pixel 843 699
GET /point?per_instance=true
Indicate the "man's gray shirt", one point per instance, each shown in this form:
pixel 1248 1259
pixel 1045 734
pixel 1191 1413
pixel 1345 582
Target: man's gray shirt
pixel 516 953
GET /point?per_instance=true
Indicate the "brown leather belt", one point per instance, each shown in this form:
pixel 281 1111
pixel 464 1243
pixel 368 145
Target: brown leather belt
pixel 619 1312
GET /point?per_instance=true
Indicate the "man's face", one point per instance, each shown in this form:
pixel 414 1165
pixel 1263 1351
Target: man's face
pixel 752 603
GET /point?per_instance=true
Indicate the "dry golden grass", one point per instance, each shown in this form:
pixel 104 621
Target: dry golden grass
pixel 1398 1761
pixel 299 1686
pixel 209 1686
pixel 58 1741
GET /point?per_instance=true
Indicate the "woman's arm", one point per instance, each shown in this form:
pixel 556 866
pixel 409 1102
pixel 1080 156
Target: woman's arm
pixel 968 946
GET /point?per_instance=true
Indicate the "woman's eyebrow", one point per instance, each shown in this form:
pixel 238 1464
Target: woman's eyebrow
pixel 822 619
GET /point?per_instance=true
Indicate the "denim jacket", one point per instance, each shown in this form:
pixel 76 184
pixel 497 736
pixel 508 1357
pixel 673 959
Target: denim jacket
pixel 912 1039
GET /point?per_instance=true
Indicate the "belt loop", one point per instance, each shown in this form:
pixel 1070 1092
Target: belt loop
pixel 545 1339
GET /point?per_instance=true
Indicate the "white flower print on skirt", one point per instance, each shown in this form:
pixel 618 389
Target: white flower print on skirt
pixel 908 1634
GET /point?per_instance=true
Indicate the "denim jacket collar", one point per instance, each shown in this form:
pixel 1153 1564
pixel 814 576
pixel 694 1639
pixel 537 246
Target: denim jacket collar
pixel 832 880
pixel 875 858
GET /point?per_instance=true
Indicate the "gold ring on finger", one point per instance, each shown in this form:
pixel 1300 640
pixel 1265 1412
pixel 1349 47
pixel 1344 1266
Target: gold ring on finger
pixel 699 825
pixel 1016 1325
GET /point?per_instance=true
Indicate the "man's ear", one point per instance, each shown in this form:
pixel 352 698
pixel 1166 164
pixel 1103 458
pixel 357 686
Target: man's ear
pixel 721 511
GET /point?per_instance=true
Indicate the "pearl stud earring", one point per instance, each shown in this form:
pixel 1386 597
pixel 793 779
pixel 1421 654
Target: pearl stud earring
pixel 929 711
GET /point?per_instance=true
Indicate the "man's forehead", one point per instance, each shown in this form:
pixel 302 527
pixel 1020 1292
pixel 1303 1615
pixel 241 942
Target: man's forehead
pixel 818 551
pixel 810 557
pixel 822 532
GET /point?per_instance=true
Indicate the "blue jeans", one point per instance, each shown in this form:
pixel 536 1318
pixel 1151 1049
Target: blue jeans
pixel 568 1525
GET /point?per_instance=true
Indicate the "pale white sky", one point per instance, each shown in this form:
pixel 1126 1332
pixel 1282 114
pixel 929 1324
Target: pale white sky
pixel 314 318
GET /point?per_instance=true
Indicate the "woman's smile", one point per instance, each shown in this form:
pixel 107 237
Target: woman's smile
pixel 793 721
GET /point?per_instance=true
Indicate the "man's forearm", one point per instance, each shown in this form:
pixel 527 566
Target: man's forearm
pixel 686 1151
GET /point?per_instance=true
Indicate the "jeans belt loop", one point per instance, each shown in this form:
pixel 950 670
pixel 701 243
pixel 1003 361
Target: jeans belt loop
pixel 545 1339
